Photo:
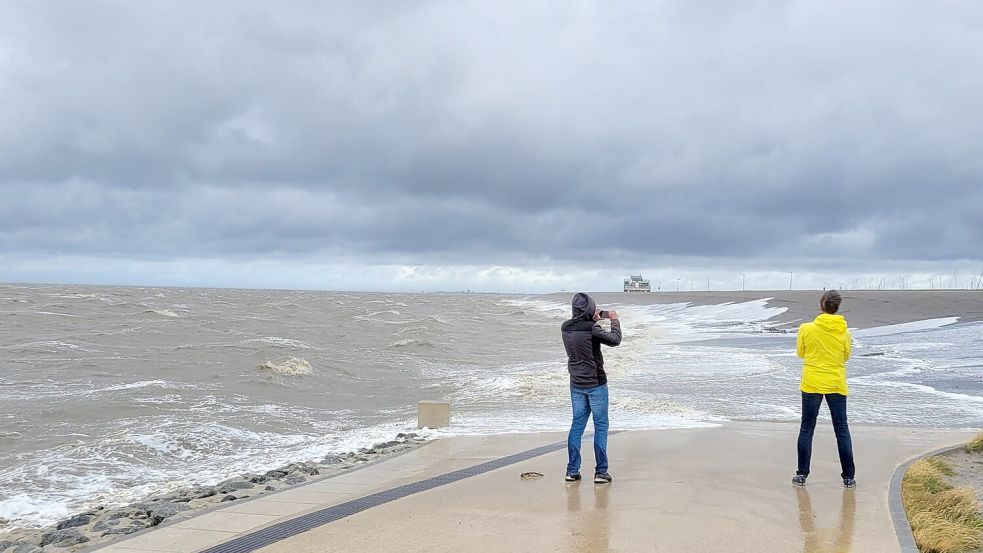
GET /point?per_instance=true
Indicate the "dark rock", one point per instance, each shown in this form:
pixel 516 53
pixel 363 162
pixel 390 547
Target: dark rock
pixel 258 478
pixel 304 468
pixel 235 485
pixel 124 530
pixel 74 522
pixel 270 489
pixel 103 525
pixel 206 492
pixel 63 538
pixel 124 513
pixel 4 544
pixel 296 479
pixel 163 511
pixel 26 548
pixel 229 498
pixel 154 511
pixel 276 474
pixel 183 500
pixel 144 506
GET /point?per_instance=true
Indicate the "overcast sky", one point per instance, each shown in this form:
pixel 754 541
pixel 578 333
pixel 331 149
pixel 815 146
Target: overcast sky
pixel 501 146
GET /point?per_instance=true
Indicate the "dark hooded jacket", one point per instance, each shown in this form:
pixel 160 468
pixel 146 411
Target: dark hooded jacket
pixel 582 338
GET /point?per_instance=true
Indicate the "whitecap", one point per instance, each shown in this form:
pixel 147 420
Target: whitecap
pixel 278 341
pixel 163 312
pixel 409 342
pixel 292 366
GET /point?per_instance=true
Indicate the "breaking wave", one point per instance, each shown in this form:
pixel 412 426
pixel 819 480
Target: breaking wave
pixel 291 366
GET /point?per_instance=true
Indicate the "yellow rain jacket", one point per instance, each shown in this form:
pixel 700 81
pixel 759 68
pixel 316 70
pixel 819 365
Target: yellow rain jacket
pixel 824 344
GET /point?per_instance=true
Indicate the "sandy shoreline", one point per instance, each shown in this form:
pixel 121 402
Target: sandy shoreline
pixel 862 308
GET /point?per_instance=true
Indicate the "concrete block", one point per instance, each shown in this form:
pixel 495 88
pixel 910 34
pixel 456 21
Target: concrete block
pixel 433 414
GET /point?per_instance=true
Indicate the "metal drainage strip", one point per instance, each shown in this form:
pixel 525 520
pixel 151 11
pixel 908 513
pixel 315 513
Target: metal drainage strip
pixel 292 527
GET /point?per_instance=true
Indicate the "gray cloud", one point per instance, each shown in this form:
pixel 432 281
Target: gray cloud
pixel 493 133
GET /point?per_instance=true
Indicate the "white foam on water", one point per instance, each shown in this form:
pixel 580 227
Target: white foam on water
pixel 677 322
pixel 431 318
pixel 552 309
pixel 291 366
pixel 278 341
pixel 416 329
pixel 410 342
pixel 930 390
pixel 50 346
pixel 392 312
pixel 57 314
pixel 686 322
pixel 160 443
pixel 32 510
pixel 81 476
pixel 914 326
pixel 166 384
pixel 163 313
pixel 167 399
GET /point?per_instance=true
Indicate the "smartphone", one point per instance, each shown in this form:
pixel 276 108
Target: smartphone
pixel 604 314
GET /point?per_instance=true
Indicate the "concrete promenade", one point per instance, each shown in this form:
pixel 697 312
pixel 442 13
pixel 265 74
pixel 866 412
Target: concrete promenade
pixel 724 488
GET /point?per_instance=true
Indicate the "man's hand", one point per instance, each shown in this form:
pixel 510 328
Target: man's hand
pixel 613 315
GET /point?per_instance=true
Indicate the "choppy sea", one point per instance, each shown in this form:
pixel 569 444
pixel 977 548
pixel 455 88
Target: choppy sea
pixel 112 394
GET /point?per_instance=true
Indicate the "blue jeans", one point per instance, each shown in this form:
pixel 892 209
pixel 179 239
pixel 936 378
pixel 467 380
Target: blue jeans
pixel 586 401
pixel 837 411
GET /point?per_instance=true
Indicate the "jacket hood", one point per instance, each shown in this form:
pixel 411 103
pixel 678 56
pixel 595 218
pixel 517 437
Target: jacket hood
pixel 583 307
pixel 835 324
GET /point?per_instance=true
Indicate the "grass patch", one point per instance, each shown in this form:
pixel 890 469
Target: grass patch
pixel 944 519
pixel 975 446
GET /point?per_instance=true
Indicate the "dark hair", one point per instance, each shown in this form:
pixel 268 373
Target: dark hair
pixel 830 302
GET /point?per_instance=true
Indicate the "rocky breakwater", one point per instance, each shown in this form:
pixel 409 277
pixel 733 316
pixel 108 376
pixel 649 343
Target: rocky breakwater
pixel 102 524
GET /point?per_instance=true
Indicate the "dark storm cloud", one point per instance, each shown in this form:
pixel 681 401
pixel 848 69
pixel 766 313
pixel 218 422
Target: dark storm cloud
pixel 452 132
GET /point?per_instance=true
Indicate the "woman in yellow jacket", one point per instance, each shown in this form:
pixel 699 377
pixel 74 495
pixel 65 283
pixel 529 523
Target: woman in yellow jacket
pixel 824 346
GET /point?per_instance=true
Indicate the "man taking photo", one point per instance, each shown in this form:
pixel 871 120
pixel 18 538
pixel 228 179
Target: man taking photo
pixel 582 338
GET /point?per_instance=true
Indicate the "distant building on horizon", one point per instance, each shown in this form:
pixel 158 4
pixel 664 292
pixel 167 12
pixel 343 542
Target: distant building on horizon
pixel 636 283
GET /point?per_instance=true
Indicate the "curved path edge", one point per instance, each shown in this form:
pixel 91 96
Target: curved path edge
pixel 902 527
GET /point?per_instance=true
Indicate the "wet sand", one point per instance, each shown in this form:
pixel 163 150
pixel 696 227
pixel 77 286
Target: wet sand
pixel 862 309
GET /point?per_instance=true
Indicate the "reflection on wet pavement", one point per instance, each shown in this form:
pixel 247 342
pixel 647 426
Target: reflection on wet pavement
pixel 826 539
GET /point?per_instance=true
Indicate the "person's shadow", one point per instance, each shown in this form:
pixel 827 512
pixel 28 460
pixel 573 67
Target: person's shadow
pixel 588 531
pixel 813 540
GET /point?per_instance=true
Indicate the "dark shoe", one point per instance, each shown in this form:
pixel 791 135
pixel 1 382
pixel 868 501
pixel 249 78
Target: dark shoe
pixel 799 480
pixel 849 483
pixel 572 477
pixel 602 478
